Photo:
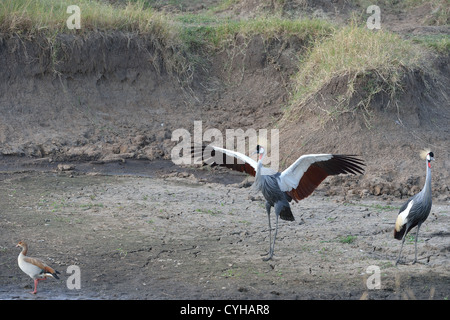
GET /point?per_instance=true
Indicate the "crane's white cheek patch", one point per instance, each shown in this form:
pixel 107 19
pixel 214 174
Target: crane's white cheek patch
pixel 403 216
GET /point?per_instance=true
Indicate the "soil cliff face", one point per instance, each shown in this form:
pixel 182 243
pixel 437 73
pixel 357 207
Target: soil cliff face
pixel 111 93
pixel 84 98
pixel 390 136
pixel 113 96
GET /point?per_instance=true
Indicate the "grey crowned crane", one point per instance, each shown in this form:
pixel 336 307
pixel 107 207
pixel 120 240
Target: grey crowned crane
pixel 415 211
pixel 279 188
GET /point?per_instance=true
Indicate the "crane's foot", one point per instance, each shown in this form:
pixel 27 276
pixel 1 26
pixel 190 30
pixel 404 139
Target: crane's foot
pixel 269 257
pixel 400 261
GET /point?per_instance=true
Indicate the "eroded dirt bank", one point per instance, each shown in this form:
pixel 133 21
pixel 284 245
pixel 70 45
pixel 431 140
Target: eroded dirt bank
pixel 110 97
pixel 178 235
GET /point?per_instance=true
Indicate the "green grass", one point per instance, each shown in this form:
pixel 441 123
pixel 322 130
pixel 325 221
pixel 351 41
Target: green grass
pixel 208 33
pixel 437 42
pixel 347 239
pixel 377 207
pixel 212 212
pixel 275 27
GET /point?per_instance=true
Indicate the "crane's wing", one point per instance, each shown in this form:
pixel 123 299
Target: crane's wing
pixel 215 156
pixel 410 214
pixel 304 175
pixel 402 219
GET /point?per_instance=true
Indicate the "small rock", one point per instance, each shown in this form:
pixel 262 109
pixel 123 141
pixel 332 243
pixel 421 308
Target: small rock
pixel 65 167
pixel 377 190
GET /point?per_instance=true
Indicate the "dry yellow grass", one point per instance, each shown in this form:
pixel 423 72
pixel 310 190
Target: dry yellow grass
pixel 355 51
pixel 30 16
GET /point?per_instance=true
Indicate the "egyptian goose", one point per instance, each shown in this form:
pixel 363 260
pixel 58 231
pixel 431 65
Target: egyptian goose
pixel 35 268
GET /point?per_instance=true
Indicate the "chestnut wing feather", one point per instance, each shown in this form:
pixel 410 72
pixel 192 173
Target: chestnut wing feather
pixel 318 171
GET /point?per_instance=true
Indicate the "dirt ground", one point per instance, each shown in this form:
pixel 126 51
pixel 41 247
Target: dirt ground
pixel 151 230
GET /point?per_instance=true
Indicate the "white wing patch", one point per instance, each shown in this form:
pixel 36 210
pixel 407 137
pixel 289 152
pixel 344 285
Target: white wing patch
pixel 402 218
pixel 290 177
pixel 242 157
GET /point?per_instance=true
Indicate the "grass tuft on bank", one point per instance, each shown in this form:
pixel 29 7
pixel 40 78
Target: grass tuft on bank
pixel 331 51
pixel 50 16
pixel 355 52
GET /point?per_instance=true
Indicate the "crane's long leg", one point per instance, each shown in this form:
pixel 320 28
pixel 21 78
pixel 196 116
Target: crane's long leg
pixel 417 235
pixel 274 238
pixel 268 206
pixel 278 208
pixel 399 254
pixel 272 245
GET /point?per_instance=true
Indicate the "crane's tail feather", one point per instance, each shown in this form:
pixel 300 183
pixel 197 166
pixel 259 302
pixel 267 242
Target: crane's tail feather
pixel 399 234
pixel 286 214
pixel 405 228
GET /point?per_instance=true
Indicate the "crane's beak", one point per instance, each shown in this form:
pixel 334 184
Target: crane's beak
pixel 429 162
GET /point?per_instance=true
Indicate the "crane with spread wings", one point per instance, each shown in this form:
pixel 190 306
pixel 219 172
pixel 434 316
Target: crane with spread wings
pixel 296 182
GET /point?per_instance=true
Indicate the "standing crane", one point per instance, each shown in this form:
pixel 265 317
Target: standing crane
pixel 416 210
pixel 279 188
